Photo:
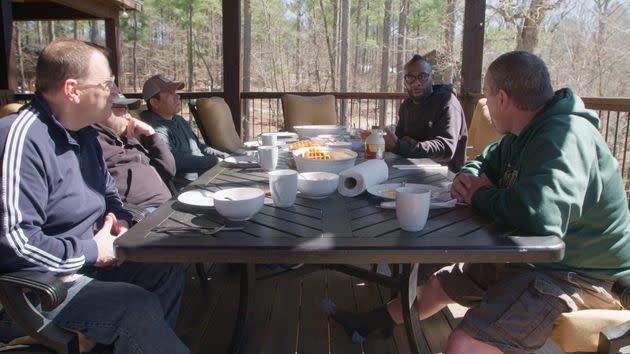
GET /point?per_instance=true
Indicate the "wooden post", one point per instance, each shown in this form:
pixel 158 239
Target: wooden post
pixel 232 83
pixel 112 41
pixel 6 21
pixel 472 53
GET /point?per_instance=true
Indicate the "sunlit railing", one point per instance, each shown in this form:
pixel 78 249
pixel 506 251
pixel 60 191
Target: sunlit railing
pixel 262 112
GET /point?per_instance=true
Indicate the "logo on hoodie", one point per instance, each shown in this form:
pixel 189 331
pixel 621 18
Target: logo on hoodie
pixel 509 177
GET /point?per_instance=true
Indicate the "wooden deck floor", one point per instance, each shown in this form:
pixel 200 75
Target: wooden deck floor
pixel 288 317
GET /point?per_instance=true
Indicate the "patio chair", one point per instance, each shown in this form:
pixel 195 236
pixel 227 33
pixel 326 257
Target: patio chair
pixel 214 119
pixel 589 331
pixel 9 108
pixel 308 110
pixel 481 132
pixel 43 336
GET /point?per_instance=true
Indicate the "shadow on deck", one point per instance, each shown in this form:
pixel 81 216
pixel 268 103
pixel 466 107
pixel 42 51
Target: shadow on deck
pixel 288 317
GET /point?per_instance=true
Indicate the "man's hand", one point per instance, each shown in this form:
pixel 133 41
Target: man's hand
pixel 464 186
pixel 105 242
pixel 136 127
pixel 363 134
pixel 390 139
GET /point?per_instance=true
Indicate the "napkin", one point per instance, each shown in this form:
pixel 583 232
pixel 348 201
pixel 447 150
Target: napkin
pixel 357 179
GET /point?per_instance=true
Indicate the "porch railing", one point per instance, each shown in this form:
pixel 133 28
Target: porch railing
pixel 262 112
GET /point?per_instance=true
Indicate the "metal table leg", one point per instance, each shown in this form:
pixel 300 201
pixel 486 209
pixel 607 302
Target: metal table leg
pixel 245 304
pixel 408 288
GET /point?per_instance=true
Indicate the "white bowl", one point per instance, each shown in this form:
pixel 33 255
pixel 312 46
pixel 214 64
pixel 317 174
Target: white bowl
pixel 311 131
pixel 339 144
pixel 238 203
pixel 317 184
pixel 341 159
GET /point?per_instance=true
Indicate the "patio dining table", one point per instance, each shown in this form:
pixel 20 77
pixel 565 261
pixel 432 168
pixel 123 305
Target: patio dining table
pixel 335 231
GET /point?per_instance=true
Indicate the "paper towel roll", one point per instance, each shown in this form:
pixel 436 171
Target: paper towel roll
pixel 357 179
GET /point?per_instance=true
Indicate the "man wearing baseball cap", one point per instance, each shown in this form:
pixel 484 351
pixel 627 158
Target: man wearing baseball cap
pixel 140 162
pixel 163 103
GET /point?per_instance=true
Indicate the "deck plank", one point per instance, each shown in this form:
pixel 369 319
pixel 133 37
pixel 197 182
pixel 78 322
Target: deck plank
pixel 288 317
pixel 313 335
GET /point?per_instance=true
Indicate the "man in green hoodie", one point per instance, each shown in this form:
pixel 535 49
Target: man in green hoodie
pixel 552 174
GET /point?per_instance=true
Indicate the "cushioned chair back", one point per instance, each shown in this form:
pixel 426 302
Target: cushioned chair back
pixel 9 108
pixel 215 119
pixel 308 110
pixel 481 132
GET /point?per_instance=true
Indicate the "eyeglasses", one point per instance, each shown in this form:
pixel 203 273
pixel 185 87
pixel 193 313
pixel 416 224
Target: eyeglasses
pixel 422 78
pixel 108 84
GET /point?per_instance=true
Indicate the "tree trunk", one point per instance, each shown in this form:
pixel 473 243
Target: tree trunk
pixel 134 50
pixel 528 34
pixel 366 36
pixel 387 20
pixel 94 32
pixel 191 80
pixel 40 34
pixel 402 36
pixel 331 54
pixel 51 31
pixel 449 40
pixel 247 60
pixel 298 35
pixel 20 56
pixel 75 29
pixel 357 24
pixel 343 72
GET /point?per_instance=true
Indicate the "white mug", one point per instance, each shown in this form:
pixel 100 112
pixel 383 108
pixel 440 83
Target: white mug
pixel 412 207
pixel 267 139
pixel 283 185
pixel 268 157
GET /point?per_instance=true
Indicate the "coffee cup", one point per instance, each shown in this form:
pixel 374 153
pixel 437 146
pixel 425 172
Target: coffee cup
pixel 268 157
pixel 267 139
pixel 412 207
pixel 283 186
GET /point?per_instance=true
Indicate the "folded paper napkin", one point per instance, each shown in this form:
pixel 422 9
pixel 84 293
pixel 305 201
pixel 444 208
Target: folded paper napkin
pixel 357 179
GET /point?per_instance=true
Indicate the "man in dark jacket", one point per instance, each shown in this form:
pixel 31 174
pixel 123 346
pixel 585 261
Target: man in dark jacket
pixel 431 121
pixel 163 105
pixel 136 157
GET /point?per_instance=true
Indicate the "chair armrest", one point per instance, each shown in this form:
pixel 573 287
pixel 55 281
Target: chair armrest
pixel 50 290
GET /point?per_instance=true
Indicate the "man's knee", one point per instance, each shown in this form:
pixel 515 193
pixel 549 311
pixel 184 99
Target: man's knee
pixel 460 342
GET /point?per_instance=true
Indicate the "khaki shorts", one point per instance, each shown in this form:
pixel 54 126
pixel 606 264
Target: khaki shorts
pixel 514 308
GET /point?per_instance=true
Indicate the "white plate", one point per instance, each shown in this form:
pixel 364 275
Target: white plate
pixel 388 190
pixel 197 198
pixel 248 160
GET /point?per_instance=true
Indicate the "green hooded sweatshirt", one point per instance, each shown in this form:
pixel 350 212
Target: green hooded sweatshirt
pixel 558 177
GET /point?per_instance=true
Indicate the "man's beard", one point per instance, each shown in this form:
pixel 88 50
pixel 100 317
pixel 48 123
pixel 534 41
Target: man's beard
pixel 425 94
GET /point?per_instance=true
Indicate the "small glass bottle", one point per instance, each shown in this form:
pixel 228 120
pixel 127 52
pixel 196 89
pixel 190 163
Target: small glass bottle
pixel 375 144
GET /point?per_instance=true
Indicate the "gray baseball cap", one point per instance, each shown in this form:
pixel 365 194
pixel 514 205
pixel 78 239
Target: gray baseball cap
pixel 120 100
pixel 158 83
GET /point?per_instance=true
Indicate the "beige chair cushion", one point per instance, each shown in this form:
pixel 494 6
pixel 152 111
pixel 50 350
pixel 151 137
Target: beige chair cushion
pixel 9 108
pixel 216 119
pixel 308 110
pixel 579 331
pixel 481 132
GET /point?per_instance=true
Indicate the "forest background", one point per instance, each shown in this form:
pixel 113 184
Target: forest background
pixel 351 45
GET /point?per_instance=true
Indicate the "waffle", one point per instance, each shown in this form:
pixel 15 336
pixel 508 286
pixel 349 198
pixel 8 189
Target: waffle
pixel 301 144
pixel 316 154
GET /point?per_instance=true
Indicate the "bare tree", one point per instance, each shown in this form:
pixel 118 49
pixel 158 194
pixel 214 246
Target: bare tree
pixel 94 31
pixel 331 51
pixel 343 72
pixel 387 22
pixel 400 47
pixel 247 61
pixel 449 41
